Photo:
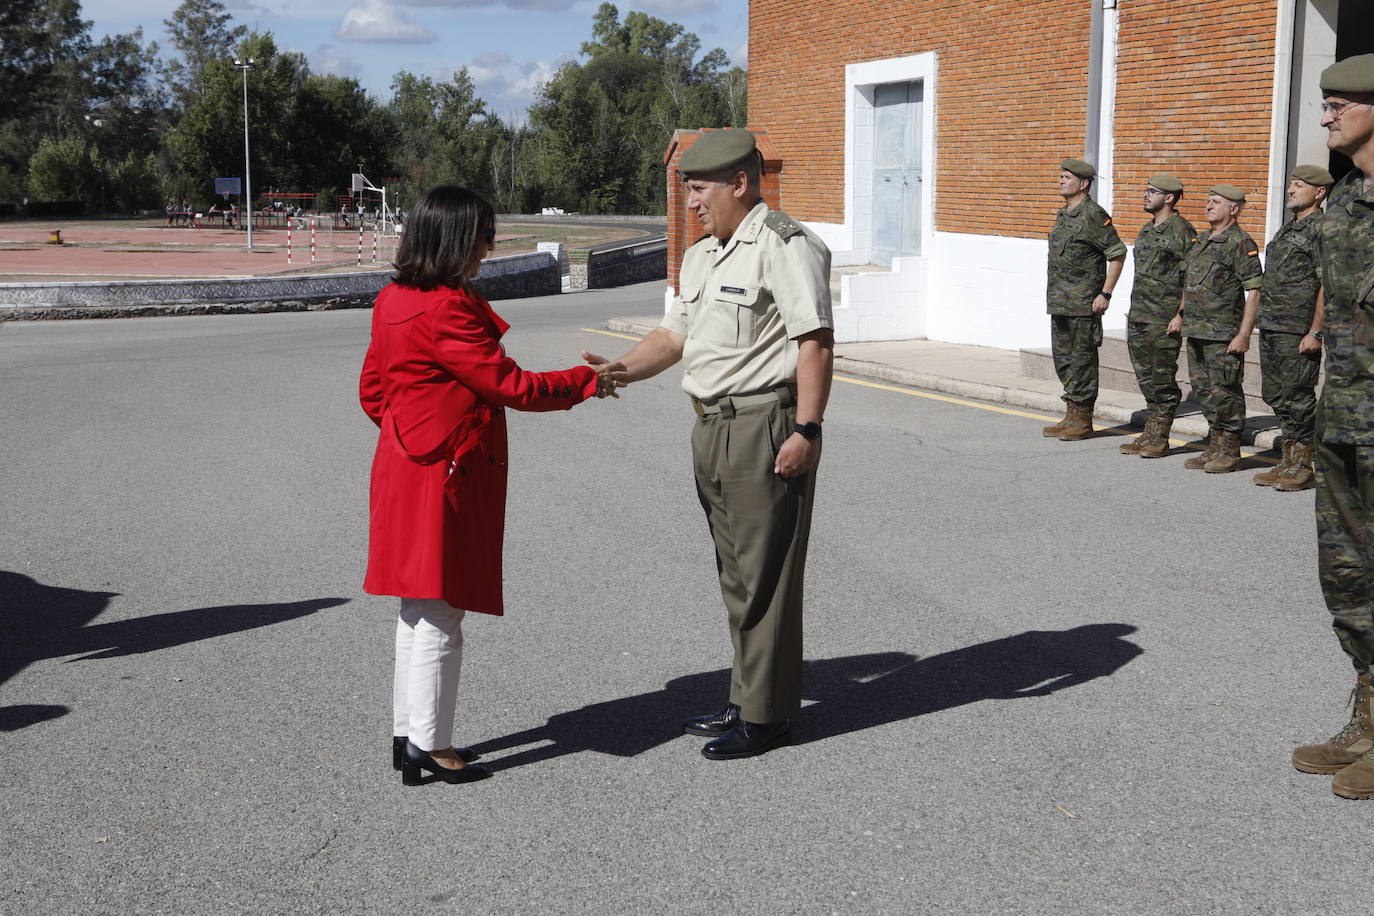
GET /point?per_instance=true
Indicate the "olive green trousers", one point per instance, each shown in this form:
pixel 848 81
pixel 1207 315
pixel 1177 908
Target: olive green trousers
pixel 760 523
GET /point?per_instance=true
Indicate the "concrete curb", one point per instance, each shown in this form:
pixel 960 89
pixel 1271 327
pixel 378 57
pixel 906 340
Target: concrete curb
pixel 1187 425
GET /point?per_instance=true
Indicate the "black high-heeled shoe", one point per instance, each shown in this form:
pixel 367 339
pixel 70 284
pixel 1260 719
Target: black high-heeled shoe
pixel 416 760
pixel 398 752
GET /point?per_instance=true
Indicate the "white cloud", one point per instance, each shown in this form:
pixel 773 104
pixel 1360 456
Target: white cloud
pixel 544 5
pixel 380 20
pixel 335 60
pixel 740 58
pixel 507 85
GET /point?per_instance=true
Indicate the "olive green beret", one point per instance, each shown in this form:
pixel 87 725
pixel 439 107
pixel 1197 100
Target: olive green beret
pixel 1078 167
pixel 1166 182
pixel 1314 174
pixel 717 150
pixel 1354 74
pixel 1228 191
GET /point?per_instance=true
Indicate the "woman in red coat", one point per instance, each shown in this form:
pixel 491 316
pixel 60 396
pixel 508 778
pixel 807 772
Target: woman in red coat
pixel 437 381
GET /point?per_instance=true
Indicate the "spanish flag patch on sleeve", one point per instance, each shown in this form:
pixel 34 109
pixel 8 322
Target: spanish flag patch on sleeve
pixel 1254 253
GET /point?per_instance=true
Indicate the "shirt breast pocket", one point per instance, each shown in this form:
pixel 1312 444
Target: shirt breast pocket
pixel 1297 267
pixel 1364 292
pixel 1218 277
pixel 735 315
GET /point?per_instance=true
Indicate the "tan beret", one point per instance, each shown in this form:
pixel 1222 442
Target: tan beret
pixel 1228 191
pixel 1166 182
pixel 716 151
pixel 1313 174
pixel 1354 74
pixel 1078 167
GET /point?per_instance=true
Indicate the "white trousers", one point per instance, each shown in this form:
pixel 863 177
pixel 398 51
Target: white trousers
pixel 429 657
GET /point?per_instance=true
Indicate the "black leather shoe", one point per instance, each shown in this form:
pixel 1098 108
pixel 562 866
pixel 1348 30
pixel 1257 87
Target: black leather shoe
pixel 416 760
pixel 717 723
pixel 748 740
pixel 398 752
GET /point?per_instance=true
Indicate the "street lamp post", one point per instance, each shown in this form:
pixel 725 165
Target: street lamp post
pixel 243 65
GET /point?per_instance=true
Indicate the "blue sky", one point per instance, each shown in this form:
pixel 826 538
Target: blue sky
pixel 509 46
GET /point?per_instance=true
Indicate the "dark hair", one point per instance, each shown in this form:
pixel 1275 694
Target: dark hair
pixel 441 237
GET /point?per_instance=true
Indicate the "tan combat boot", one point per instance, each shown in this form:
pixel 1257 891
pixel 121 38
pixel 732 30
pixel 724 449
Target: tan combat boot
pixel 1270 477
pixel 1356 780
pixel 1133 447
pixel 1227 458
pixel 1051 431
pixel 1346 747
pixel 1158 446
pixel 1199 461
pixel 1299 475
pixel 1080 425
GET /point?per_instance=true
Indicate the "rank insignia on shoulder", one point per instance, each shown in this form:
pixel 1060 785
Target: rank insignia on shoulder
pixel 782 224
pixel 732 289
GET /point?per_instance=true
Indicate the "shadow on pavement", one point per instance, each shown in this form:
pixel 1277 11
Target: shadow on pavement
pixel 850 693
pixel 42 621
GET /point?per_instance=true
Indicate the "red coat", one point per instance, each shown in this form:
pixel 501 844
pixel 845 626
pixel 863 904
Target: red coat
pixel 436 380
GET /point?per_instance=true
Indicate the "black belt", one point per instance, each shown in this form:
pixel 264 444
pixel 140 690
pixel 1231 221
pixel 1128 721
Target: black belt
pixel 726 405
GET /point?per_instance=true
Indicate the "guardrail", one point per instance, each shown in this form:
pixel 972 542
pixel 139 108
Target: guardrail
pixel 621 266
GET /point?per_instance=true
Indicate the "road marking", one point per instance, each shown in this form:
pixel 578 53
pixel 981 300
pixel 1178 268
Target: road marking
pixel 912 392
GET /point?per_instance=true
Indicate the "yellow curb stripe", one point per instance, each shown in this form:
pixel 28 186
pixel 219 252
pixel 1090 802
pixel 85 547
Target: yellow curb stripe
pixel 911 392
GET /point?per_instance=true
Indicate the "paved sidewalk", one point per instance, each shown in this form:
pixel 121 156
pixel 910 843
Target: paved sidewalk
pixel 991 374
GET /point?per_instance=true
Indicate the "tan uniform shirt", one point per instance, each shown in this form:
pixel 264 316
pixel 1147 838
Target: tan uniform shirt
pixel 743 303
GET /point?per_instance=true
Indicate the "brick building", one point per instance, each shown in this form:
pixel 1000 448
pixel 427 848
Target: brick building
pixel 925 136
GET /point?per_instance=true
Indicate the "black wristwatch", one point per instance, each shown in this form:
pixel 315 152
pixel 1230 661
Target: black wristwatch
pixel 810 430
pixel 1105 295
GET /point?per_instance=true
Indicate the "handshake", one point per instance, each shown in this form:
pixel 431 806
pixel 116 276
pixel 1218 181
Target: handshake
pixel 609 375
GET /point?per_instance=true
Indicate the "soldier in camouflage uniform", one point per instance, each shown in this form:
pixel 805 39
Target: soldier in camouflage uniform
pixel 1290 323
pixel 1345 419
pixel 1085 260
pixel 1220 301
pixel 1155 296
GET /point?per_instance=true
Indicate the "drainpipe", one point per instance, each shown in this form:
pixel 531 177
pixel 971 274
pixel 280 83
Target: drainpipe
pixel 1097 137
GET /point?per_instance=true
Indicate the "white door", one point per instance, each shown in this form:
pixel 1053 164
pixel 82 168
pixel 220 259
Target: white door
pixel 897 110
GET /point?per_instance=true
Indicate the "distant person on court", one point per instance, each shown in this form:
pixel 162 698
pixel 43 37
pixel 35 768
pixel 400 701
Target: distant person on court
pixel 437 381
pixel 1085 260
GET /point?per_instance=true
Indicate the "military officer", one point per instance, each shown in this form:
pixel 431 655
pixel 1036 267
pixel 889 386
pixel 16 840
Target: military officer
pixel 1290 323
pixel 1222 277
pixel 1085 260
pixel 1345 418
pixel 1160 249
pixel 752 325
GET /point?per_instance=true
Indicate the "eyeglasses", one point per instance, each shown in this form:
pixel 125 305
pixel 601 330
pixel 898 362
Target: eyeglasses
pixel 1154 192
pixel 1335 108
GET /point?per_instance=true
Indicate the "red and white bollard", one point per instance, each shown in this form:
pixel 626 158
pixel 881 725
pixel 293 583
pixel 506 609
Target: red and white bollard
pixel 314 222
pixel 288 241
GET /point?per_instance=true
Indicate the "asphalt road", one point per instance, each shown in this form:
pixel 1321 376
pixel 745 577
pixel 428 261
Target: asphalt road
pixel 1042 678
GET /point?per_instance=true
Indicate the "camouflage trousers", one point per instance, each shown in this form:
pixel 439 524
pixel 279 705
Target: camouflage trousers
pixel 1290 383
pixel 1154 356
pixel 1216 377
pixel 1345 545
pixel 1074 340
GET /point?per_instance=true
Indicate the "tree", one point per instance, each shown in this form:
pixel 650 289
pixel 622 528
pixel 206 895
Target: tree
pixel 63 169
pixel 200 30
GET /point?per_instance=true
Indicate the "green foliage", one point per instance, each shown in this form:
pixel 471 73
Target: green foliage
pixel 63 169
pixel 110 123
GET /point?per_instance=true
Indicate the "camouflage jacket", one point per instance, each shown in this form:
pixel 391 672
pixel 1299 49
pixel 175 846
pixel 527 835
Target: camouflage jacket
pixel 1082 242
pixel 1288 298
pixel 1218 273
pixel 1345 243
pixel 1158 284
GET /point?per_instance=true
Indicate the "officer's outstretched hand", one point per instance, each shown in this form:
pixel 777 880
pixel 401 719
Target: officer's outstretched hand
pixel 797 456
pixel 609 375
